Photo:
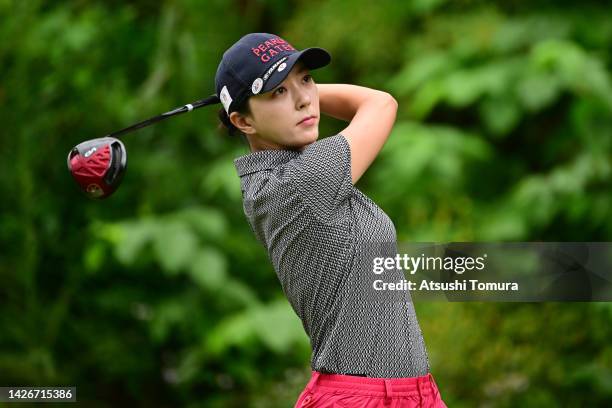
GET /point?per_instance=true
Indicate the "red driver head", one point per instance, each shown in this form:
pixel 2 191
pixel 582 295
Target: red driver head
pixel 98 166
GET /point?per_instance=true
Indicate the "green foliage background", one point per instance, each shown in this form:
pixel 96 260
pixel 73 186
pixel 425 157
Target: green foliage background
pixel 161 296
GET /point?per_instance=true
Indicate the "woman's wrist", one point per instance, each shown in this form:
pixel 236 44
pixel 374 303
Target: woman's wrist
pixel 341 101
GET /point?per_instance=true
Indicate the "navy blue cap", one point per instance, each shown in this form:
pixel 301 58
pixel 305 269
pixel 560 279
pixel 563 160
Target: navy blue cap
pixel 257 63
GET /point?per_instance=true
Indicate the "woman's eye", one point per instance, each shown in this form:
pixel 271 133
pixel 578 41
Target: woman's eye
pixel 307 77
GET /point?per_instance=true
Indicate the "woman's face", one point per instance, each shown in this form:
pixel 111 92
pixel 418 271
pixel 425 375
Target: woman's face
pixel 274 118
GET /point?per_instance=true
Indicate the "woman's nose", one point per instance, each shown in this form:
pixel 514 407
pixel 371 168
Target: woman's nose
pixel 303 99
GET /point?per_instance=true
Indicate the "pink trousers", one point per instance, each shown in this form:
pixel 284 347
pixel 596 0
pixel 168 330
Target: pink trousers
pixel 348 391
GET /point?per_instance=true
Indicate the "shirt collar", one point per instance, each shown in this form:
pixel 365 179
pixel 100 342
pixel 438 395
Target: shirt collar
pixel 263 160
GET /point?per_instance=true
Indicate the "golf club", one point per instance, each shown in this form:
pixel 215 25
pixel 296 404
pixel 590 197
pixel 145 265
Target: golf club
pixel 98 165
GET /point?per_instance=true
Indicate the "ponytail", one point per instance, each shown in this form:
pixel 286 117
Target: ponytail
pixel 232 131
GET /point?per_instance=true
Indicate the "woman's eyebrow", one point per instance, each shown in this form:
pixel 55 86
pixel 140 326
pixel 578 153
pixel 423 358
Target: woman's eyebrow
pixel 299 71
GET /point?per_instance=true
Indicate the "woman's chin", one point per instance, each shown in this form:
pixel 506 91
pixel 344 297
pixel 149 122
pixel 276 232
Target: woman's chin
pixel 312 135
pixel 300 140
pixel 309 138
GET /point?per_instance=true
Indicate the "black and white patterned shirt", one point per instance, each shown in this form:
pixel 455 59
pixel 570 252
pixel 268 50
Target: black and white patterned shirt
pixel 321 234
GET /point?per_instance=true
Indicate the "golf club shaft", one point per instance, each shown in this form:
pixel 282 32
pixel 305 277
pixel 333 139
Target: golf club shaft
pixel 185 108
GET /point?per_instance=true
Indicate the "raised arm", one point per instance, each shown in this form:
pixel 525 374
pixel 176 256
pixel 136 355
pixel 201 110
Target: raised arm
pixel 371 114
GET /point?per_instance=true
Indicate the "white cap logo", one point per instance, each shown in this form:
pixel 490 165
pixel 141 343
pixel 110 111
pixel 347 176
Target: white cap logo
pixel 226 99
pixel 257 85
pixel 273 67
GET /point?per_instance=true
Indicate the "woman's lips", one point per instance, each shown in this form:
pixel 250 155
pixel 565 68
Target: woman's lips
pixel 308 122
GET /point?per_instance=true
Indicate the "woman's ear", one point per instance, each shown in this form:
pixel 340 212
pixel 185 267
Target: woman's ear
pixel 242 122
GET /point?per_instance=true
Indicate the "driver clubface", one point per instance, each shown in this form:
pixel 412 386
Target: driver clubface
pixel 98 166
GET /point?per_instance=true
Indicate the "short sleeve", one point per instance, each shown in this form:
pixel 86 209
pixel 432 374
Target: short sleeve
pixel 322 173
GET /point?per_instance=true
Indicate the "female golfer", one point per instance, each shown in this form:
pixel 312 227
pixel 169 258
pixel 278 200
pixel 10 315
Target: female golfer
pixel 322 233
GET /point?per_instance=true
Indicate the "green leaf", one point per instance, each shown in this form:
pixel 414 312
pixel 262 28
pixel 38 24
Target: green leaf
pixel 209 222
pixel 274 324
pixel 167 315
pixel 278 326
pixel 538 89
pixel 94 257
pixel 208 268
pixel 500 115
pixel 221 178
pixel 175 245
pixel 135 235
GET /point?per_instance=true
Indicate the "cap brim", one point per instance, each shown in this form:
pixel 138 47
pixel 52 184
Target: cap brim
pixel 313 58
